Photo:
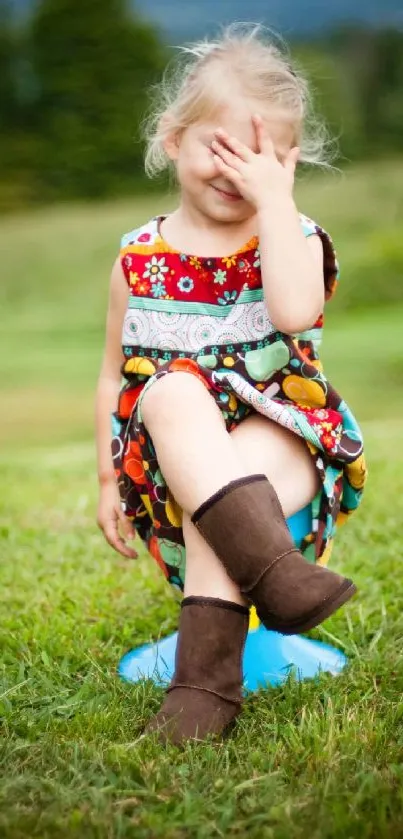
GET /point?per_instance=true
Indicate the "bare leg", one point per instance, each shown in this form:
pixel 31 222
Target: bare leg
pixel 195 453
pixel 205 575
pixel 267 448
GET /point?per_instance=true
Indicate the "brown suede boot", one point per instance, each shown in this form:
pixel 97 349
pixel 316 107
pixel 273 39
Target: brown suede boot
pixel 244 524
pixel 205 694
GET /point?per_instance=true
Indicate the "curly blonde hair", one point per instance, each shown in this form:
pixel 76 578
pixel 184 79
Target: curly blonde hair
pixel 249 60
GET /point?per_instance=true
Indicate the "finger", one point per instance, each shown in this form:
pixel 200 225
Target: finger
pixel 233 145
pixel 127 532
pixel 263 140
pixel 227 156
pixel 126 526
pixel 228 171
pixel 114 540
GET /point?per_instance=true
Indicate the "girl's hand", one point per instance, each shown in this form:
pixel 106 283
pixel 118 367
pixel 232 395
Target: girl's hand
pixel 257 176
pixel 111 519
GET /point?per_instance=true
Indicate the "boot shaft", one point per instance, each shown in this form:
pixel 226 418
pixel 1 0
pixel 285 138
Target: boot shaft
pixel 211 641
pixel 245 525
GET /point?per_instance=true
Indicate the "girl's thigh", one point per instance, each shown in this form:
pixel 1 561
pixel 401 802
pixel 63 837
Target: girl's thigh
pixel 284 458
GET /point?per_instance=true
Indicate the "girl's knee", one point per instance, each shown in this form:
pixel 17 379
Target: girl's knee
pixel 169 394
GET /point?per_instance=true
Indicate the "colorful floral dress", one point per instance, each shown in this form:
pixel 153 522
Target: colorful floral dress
pixel 208 317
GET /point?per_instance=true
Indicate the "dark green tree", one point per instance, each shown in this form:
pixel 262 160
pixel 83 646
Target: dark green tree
pixel 92 63
pixel 370 69
pixel 8 83
pixel 15 140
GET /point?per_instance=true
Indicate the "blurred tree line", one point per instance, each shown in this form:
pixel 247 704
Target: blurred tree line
pixel 74 81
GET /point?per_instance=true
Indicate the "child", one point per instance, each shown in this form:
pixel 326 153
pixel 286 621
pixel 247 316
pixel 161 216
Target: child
pixel 227 293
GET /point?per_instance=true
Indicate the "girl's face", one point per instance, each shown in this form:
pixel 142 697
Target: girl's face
pixel 202 185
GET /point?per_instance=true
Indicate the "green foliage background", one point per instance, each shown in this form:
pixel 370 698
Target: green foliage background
pixel 74 87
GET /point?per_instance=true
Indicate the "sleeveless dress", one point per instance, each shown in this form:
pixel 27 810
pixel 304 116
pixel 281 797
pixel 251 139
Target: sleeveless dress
pixel 208 317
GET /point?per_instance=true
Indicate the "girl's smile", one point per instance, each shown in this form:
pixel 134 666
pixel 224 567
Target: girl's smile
pixel 226 195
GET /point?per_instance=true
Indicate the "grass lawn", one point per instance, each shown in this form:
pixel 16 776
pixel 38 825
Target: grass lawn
pixel 321 759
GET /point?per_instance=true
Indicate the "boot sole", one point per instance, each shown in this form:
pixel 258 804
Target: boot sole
pixel 346 591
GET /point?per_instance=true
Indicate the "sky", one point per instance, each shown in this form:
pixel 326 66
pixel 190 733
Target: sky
pixel 181 19
pixel 185 19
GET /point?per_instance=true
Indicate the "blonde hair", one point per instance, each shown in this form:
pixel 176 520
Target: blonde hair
pixel 246 58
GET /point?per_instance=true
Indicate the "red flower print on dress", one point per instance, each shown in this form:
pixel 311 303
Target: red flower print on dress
pixel 143 287
pixel 328 440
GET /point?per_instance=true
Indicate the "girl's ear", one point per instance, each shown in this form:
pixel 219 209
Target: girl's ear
pixel 171 145
pixel 171 137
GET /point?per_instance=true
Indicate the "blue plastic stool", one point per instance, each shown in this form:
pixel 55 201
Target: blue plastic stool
pixel 268 656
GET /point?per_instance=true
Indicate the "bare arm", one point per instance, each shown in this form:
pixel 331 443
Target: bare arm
pixel 109 377
pixel 292 268
pixel 110 514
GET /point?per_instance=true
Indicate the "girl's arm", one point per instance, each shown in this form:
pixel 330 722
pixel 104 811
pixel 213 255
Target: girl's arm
pixel 110 514
pixel 292 267
pixel 110 377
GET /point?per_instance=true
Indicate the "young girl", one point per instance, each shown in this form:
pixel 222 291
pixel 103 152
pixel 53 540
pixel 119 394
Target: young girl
pixel 226 423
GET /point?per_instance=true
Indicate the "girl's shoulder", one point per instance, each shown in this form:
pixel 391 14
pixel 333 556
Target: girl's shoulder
pixel 147 234
pixel 143 252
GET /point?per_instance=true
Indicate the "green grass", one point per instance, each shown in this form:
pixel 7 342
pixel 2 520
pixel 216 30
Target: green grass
pixel 316 760
pixel 312 760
